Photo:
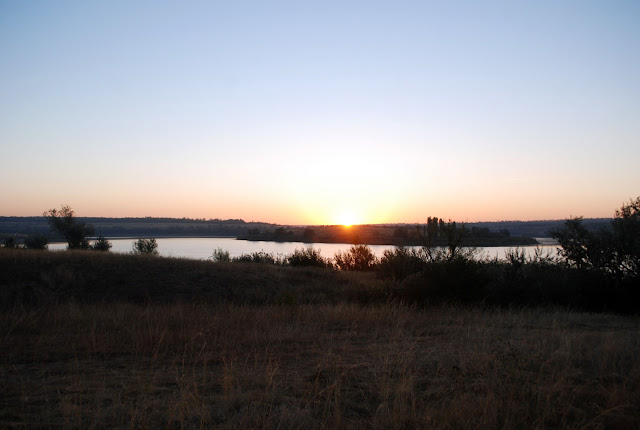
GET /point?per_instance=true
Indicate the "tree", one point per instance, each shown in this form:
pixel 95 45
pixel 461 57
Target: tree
pixel 74 232
pixel 579 247
pixel 145 246
pixel 615 251
pixel 400 235
pixel 454 236
pixel 308 235
pixel 626 236
pixel 432 251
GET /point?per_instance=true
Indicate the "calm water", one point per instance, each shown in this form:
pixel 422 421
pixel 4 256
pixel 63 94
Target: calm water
pixel 202 248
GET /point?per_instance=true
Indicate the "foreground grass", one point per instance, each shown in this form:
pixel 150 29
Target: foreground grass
pixel 101 340
pixel 186 365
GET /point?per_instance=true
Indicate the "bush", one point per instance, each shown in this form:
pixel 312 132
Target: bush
pixel 101 244
pixel 258 257
pixel 307 257
pixel 36 242
pixel 10 242
pixel 461 281
pixel 220 256
pixel 145 246
pixel 358 257
pixel 400 263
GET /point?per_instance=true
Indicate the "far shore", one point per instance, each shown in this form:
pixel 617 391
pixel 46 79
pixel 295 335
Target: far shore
pixel 485 244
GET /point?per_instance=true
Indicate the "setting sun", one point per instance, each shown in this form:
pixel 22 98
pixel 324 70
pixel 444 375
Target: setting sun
pixel 347 219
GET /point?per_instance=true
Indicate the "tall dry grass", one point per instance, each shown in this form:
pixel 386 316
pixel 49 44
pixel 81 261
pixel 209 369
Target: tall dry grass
pixel 117 365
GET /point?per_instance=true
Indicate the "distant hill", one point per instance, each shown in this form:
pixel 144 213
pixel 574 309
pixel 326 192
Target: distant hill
pixel 137 227
pixel 538 228
pixel 188 227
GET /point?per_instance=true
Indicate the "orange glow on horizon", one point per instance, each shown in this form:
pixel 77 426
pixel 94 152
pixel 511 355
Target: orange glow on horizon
pixel 347 219
pixel 316 209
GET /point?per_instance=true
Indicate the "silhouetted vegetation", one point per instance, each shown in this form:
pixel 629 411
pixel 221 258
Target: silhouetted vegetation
pixel 145 247
pixel 358 257
pixel 101 244
pixel 307 257
pixel 594 271
pixel 308 235
pixel 401 235
pixel 75 232
pixel 381 234
pixel 37 241
pixel 137 227
pixel 501 233
pixel 443 241
pixel 220 256
pixel 401 262
pixel 259 257
pixel 10 242
pixel 614 251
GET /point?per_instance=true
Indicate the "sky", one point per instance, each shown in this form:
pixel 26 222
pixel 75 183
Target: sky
pixel 320 112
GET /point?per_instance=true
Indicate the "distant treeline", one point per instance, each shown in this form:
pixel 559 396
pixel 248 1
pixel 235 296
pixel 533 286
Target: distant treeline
pixel 539 228
pixel 400 235
pixel 136 227
pixel 505 233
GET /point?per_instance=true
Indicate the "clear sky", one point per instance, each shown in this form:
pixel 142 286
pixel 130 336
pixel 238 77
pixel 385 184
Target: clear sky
pixel 320 112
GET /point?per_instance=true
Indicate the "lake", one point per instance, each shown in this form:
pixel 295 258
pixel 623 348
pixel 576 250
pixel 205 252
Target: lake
pixel 202 247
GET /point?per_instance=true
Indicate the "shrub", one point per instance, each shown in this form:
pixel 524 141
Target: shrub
pixel 36 242
pixel 400 263
pixel 145 246
pixel 10 242
pixel 220 256
pixel 258 257
pixel 459 280
pixel 101 244
pixel 358 257
pixel 307 257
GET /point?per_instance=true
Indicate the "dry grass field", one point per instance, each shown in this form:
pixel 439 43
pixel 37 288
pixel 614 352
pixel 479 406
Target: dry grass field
pixel 186 365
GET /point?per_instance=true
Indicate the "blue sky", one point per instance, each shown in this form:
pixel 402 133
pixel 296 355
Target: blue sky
pixel 315 112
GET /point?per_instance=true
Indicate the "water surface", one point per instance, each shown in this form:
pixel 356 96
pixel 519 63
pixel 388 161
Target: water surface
pixel 202 247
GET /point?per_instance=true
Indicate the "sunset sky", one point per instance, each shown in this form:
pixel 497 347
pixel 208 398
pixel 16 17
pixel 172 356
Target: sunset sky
pixel 320 112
